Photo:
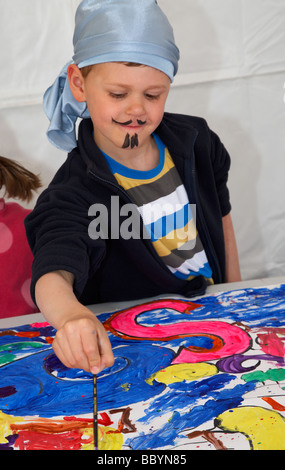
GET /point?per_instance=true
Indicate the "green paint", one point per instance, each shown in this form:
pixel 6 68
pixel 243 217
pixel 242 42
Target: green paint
pixel 6 358
pixel 275 375
pixel 7 351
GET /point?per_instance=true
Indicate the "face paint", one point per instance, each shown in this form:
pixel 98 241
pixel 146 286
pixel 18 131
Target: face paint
pixel 126 143
pixel 127 123
pixel 133 141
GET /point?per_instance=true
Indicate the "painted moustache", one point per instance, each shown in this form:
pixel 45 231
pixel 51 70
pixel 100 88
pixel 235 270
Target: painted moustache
pixel 130 141
pixel 128 123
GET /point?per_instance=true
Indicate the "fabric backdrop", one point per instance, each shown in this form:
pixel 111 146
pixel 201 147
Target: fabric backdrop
pixel 232 72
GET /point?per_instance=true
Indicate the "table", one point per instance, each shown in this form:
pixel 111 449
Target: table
pixel 198 374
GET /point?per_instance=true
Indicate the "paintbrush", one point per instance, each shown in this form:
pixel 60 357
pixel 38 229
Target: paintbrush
pixel 95 413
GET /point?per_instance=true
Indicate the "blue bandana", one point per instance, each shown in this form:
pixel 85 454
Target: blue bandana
pixel 109 31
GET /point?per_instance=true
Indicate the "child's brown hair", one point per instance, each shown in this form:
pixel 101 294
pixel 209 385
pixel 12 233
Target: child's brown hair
pixel 19 182
pixel 87 69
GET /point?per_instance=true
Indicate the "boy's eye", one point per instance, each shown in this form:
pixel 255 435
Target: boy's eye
pixel 117 95
pixel 151 97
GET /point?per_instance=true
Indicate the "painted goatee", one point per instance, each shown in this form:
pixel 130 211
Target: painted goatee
pixel 131 141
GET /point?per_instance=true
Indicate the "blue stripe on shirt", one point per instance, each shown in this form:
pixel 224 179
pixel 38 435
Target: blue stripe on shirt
pixel 166 224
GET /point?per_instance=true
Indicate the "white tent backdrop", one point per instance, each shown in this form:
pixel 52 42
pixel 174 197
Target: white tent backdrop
pixel 232 72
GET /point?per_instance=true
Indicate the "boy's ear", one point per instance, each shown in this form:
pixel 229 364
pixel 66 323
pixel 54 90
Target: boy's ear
pixel 76 82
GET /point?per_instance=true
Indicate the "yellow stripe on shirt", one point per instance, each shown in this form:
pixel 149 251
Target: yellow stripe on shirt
pixel 128 183
pixel 176 239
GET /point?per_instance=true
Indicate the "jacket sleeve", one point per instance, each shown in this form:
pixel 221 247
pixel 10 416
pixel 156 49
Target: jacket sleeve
pixel 221 165
pixel 57 232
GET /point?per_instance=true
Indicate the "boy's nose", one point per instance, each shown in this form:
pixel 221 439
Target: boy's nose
pixel 136 109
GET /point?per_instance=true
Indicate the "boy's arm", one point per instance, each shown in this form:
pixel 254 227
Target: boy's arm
pixel 81 340
pixel 232 261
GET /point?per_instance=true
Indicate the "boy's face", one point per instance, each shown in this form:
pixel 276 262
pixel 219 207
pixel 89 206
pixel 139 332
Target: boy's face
pixel 126 104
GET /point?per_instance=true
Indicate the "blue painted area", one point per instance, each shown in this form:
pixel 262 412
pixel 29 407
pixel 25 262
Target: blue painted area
pixel 184 422
pixel 45 387
pixel 255 307
pixel 181 394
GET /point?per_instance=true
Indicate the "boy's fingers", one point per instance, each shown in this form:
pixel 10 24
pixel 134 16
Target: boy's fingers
pixel 91 349
pixel 62 353
pixel 80 358
pixel 106 357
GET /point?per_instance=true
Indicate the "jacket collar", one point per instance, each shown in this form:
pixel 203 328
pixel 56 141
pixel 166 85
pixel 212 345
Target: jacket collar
pixel 177 133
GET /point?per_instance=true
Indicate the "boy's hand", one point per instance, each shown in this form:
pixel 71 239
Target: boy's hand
pixel 83 343
pixel 81 340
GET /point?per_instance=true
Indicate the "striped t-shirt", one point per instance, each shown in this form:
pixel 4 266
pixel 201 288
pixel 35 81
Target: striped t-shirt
pixel 167 215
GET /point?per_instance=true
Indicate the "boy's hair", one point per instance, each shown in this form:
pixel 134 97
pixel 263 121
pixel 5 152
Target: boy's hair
pixel 17 180
pixel 86 70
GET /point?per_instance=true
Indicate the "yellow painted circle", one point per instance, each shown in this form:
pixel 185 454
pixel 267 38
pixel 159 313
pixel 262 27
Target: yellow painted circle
pixel 181 372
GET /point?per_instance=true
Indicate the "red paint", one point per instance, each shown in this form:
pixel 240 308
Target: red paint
pixel 21 334
pixel 49 340
pixel 105 420
pixel 271 341
pixel 45 434
pixel 78 420
pixel 31 440
pixel 40 325
pixel 27 334
pixel 274 404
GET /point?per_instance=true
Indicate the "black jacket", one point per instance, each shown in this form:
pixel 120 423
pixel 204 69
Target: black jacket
pixel 116 269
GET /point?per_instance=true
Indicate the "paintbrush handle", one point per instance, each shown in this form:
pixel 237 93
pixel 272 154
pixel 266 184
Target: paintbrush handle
pixel 95 412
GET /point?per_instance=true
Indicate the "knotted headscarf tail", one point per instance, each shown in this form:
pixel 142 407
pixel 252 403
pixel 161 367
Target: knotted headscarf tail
pixel 109 31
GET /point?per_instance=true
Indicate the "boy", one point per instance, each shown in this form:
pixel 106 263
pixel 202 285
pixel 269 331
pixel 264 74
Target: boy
pixel 128 152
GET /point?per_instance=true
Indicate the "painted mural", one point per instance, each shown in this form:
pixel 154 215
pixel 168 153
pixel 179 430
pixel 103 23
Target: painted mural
pixel 207 374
